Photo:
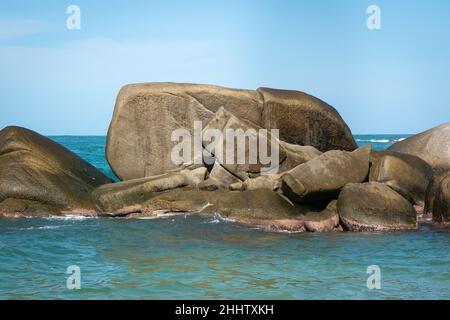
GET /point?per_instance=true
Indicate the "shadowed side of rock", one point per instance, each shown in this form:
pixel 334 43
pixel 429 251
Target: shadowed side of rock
pixel 39 177
pixel 441 203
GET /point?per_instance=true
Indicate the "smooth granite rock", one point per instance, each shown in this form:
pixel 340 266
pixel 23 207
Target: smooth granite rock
pixel 241 155
pixel 122 198
pixel 222 176
pixel 39 177
pixel 260 208
pixel 374 206
pixel 407 174
pixel 305 120
pixel 323 177
pixel 139 137
pixel 326 220
pixel 432 145
pixel 145 115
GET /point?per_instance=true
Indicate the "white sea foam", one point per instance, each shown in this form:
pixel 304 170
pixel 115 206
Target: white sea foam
pixel 375 140
pixel 44 227
pixel 217 218
pixel 275 230
pixel 166 215
pixel 68 218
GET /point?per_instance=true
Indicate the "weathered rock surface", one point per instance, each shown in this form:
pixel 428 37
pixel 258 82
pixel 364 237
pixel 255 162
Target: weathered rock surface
pixel 222 176
pixel 296 155
pixel 257 208
pixel 323 177
pixel 243 165
pixel 39 177
pixel 139 137
pixel 441 205
pixel 432 189
pixel 432 145
pixel 407 174
pixel 305 120
pixel 124 197
pixel 323 221
pixel 374 206
pixel 241 156
pixel 270 181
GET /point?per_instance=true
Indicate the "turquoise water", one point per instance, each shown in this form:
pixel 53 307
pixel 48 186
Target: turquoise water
pixel 193 258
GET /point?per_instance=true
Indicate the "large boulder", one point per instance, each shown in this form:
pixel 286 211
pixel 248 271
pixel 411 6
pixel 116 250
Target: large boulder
pixel 323 177
pixel 40 177
pixel 433 146
pixel 139 137
pixel 122 198
pixel 374 206
pixel 441 205
pixel 145 115
pixel 257 208
pixel 305 120
pixel 407 174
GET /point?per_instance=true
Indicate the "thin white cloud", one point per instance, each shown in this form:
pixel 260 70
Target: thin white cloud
pixel 17 28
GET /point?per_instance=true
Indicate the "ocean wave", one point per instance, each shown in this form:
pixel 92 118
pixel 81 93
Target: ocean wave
pixel 276 230
pixel 68 218
pixel 166 215
pixel 375 140
pixel 379 140
pixel 43 227
pixel 217 218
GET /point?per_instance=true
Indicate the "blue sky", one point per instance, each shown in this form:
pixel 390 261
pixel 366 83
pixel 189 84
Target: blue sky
pixel 59 81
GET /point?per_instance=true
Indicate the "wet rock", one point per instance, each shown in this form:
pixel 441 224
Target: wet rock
pixel 326 220
pixel 374 206
pixel 257 208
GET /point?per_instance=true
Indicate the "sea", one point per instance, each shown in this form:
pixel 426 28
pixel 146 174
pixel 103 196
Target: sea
pixel 188 257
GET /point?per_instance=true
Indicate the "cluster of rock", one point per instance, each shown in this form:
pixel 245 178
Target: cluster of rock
pixel 323 183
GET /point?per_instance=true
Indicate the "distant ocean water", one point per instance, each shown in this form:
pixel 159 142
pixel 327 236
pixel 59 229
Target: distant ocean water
pixel 192 258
